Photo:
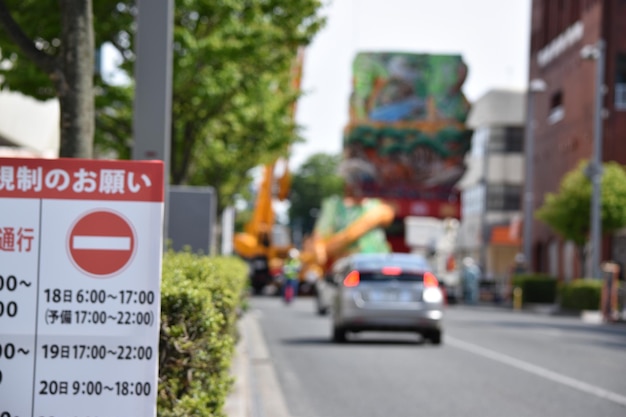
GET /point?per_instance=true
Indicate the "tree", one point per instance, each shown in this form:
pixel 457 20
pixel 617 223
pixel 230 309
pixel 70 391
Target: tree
pixel 315 180
pixel 568 211
pixel 233 89
pixel 59 52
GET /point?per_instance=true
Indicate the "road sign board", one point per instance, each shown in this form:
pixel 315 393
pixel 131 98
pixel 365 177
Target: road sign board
pixel 80 346
pixel 101 243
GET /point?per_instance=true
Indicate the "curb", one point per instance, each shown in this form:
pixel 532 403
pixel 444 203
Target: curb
pixel 252 364
pixel 237 404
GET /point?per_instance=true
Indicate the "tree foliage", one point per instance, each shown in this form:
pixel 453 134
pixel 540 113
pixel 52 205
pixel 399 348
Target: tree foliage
pixel 233 86
pixel 49 54
pixel 315 180
pixel 568 211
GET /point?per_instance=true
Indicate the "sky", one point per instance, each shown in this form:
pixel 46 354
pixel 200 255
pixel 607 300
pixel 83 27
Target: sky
pixel 492 36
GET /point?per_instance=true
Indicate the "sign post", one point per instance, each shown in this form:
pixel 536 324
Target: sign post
pixel 80 267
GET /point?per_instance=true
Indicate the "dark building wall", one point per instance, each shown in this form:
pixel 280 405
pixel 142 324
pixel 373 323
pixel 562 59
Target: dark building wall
pixel 560 145
pixel 615 34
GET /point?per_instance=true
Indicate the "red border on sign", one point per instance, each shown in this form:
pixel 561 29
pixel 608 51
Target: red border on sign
pixel 82 179
pixel 92 255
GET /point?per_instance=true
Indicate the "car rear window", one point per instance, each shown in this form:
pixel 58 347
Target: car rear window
pixel 380 277
pixel 408 263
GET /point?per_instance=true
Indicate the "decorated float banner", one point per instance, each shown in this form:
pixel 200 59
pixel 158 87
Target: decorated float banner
pixel 407 138
pixel 395 87
pixel 80 270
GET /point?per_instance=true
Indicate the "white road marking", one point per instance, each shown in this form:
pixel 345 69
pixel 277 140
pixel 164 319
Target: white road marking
pixel 101 243
pixel 537 370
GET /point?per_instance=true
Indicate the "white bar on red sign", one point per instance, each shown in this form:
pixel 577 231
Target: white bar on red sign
pixel 101 242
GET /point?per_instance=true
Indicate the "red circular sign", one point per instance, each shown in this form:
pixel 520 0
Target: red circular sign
pixel 101 243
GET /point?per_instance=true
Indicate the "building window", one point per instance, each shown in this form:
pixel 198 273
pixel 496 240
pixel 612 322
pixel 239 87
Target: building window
pixel 620 82
pixel 502 197
pixel 506 140
pixel 514 139
pixel 557 110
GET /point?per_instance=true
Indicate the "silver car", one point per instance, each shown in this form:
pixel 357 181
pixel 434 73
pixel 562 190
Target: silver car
pixel 382 292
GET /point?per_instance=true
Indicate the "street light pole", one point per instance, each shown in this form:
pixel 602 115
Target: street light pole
pixel 535 86
pixel 596 52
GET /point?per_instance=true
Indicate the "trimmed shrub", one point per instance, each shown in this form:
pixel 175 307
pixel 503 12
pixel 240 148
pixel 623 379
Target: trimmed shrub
pixel 536 288
pixel 201 298
pixel 581 294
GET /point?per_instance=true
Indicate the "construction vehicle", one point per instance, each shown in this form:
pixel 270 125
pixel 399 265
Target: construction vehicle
pixel 263 243
pixel 403 153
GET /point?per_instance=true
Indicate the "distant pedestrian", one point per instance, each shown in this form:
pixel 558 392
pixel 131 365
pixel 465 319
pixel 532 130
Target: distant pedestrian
pixel 291 274
pixel 470 276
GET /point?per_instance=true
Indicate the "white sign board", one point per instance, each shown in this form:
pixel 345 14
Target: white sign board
pixel 80 267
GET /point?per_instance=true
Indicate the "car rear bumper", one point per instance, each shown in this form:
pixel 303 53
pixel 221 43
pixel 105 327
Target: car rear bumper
pixel 381 319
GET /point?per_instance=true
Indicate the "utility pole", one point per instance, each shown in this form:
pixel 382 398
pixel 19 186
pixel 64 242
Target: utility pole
pixel 535 86
pixel 152 110
pixel 594 170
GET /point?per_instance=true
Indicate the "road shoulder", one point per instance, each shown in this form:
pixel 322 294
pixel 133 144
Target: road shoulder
pixel 256 391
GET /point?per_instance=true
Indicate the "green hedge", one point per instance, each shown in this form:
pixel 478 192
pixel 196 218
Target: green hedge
pixel 581 294
pixel 536 288
pixel 201 298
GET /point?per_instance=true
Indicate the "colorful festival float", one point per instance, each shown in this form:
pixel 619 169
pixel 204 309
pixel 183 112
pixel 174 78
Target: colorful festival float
pixel 404 149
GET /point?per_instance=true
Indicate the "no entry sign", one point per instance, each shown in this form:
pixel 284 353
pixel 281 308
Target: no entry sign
pixel 81 247
pixel 101 243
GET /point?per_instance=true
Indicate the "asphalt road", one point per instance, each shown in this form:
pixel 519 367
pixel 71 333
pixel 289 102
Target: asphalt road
pixel 493 362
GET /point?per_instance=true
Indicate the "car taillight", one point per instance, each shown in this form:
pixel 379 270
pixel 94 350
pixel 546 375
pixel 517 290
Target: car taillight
pixel 432 292
pixel 430 280
pixel 352 279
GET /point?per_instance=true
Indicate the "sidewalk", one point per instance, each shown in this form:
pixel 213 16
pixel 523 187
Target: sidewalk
pixel 585 316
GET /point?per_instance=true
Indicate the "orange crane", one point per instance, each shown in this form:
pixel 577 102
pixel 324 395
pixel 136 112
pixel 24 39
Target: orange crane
pixel 259 243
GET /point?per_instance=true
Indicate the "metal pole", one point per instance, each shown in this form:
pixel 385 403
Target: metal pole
pixel 153 87
pixel 534 87
pixel 596 165
pixel 529 186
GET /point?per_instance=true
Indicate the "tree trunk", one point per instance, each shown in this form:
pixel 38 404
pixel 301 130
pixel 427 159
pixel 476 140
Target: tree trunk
pixel 75 90
pixel 71 72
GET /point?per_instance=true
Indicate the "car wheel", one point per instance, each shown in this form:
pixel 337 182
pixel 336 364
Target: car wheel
pixel 339 334
pixel 434 337
pixel 257 288
pixel 322 310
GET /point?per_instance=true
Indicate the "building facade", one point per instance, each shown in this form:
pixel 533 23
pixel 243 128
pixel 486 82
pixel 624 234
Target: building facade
pixel 493 185
pixel 563 114
pixel 28 127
